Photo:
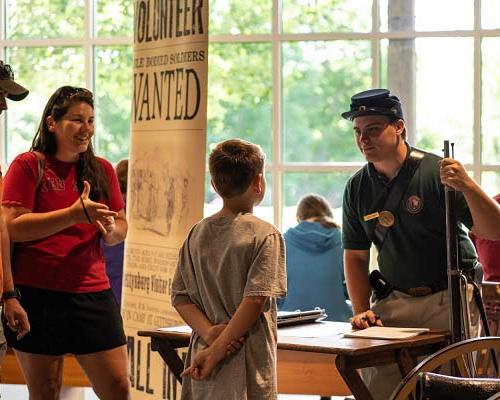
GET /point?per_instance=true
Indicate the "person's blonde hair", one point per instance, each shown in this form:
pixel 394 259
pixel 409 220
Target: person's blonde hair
pixel 317 207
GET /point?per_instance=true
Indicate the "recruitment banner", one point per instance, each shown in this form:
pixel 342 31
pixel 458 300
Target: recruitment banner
pixel 166 173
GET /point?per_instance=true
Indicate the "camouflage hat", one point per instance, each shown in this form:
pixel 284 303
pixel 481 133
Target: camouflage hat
pixel 14 90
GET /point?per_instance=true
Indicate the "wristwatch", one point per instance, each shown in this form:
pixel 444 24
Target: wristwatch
pixel 12 294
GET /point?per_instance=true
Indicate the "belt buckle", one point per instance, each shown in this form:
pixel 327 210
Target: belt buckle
pixel 419 291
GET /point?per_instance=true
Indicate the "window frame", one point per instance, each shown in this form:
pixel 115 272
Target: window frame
pixel 278 167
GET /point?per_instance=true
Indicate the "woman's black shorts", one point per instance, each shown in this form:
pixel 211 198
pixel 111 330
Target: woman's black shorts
pixel 61 322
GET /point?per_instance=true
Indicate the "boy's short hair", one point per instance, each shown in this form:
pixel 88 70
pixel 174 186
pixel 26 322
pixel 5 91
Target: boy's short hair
pixel 233 164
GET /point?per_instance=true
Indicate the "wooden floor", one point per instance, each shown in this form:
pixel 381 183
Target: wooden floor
pixel 19 392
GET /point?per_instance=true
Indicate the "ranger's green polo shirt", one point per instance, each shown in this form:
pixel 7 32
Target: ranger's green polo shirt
pixel 414 250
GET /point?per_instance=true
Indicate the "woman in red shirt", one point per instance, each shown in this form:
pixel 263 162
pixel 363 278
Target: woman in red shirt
pixel 59 201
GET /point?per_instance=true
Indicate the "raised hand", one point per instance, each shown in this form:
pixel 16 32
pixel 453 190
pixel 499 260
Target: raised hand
pixel 453 174
pixel 85 210
pixel 106 225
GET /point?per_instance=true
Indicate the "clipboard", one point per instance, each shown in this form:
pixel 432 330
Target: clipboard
pixel 288 318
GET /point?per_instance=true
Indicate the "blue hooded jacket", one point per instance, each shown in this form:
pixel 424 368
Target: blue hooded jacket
pixel 315 271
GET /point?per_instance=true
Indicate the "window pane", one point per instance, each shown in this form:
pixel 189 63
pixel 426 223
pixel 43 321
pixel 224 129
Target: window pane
pixel 113 101
pixel 239 93
pixel 213 202
pixel 490 14
pixel 490 182
pixel 445 95
pixel 491 99
pixel 318 80
pixel 42 70
pixel 114 18
pixel 383 63
pixel 298 184
pixel 236 17
pixel 304 16
pixel 427 15
pixel 45 18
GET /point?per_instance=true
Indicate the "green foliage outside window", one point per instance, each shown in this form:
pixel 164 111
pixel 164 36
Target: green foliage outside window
pixel 240 17
pixel 42 70
pixel 113 93
pixel 318 81
pixel 41 19
pixel 306 16
pixel 239 93
pixel 114 18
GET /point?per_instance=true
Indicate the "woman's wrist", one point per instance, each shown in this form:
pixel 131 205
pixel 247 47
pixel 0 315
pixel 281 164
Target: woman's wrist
pixel 72 215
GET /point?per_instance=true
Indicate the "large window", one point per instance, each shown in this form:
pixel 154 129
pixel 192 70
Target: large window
pixel 51 43
pixel 280 74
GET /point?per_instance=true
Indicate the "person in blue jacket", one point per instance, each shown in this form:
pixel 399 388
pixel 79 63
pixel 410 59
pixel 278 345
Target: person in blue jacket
pixel 315 270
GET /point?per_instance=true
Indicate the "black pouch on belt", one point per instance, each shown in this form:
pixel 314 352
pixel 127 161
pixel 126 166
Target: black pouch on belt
pixel 381 288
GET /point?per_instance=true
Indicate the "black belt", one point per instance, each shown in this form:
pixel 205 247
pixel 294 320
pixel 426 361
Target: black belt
pixel 382 288
pixel 425 290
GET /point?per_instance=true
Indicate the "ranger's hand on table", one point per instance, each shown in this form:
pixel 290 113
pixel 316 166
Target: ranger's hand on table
pixel 365 319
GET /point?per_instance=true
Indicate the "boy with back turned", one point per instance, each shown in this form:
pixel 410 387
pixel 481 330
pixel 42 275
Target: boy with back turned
pixel 231 269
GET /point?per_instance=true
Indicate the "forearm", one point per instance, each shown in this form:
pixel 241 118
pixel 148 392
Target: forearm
pixel 33 226
pixel 195 318
pixel 118 235
pixel 8 283
pixel 358 285
pixel 485 212
pixel 243 319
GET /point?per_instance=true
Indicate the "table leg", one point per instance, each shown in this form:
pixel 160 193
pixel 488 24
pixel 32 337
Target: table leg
pixel 406 362
pixel 169 355
pixel 352 378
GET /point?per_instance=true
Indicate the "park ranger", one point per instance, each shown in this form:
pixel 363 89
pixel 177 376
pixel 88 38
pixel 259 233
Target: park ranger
pixel 396 201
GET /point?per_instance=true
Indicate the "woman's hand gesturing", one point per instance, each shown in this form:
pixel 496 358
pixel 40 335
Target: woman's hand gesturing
pixel 85 210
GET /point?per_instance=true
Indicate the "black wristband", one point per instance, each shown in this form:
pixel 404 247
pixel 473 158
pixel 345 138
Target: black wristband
pixel 12 294
pixel 85 210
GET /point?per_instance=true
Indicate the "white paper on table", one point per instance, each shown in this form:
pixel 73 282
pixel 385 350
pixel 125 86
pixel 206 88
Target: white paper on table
pixel 386 332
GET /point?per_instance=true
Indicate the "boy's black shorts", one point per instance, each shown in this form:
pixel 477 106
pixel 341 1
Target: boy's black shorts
pixel 61 322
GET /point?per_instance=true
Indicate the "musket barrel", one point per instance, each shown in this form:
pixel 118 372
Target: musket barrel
pixel 453 270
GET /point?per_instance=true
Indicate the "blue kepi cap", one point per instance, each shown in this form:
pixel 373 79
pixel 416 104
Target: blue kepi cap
pixel 374 102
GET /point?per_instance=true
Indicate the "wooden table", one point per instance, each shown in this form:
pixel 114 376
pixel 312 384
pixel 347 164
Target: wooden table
pixel 318 346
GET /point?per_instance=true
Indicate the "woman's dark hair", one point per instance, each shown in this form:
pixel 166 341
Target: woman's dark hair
pixel 87 167
pixel 317 207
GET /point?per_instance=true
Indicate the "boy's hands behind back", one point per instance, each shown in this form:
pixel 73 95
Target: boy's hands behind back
pixel 215 331
pixel 206 360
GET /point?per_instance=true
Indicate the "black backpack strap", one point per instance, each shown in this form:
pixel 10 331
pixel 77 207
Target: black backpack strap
pixel 386 217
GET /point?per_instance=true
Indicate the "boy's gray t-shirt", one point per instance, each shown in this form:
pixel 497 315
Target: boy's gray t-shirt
pixel 223 260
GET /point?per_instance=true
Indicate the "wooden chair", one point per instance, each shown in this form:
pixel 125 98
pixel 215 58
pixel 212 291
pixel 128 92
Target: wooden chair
pixel 431 386
pixel 491 298
pixel 495 397
pixel 456 354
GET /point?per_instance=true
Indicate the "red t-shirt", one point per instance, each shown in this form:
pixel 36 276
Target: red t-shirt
pixel 72 259
pixel 488 252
